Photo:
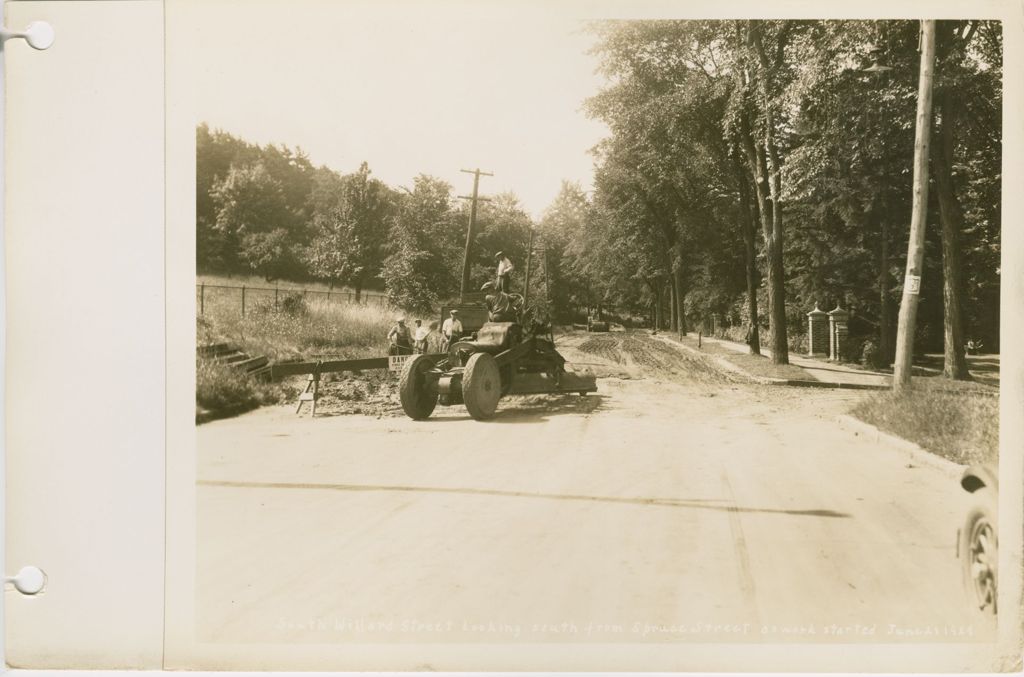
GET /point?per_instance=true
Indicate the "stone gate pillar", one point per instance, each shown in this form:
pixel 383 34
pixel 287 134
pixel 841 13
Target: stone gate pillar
pixel 837 332
pixel 817 332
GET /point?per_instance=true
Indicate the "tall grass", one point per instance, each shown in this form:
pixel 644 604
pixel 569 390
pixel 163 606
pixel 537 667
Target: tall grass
pixel 960 426
pixel 297 328
pixel 223 389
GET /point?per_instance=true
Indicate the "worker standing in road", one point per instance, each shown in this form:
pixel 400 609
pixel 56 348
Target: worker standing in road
pixel 505 267
pixel 419 337
pixel 400 339
pixel 451 330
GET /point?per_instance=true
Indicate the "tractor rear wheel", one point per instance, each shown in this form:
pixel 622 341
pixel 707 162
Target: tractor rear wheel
pixel 481 386
pixel 418 399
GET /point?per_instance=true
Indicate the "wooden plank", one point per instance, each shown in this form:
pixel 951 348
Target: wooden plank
pixel 251 364
pixel 292 368
pixel 214 349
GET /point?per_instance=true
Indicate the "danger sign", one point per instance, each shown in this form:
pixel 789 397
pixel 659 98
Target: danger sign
pixel 396 362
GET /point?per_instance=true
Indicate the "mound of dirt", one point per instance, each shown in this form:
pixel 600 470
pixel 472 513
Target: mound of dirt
pixel 374 393
pixel 657 359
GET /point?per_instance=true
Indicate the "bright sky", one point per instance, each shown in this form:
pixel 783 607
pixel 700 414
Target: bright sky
pixel 429 87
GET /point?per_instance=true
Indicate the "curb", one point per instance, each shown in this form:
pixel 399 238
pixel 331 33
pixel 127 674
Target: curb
pixel 830 384
pixel 769 380
pixel 916 452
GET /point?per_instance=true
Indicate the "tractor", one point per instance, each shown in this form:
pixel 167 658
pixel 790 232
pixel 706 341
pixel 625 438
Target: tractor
pixel 499 357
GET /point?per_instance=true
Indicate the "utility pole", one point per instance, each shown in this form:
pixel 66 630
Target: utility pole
pixel 529 255
pixel 547 287
pixel 919 213
pixel 471 232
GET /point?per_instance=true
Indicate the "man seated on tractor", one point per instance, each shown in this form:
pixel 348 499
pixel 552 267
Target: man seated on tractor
pixel 500 306
pixel 400 339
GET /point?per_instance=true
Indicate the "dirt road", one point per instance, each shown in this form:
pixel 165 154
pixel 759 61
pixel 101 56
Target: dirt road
pixel 677 504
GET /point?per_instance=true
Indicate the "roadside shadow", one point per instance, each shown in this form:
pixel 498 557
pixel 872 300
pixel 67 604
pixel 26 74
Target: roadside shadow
pixel 720 505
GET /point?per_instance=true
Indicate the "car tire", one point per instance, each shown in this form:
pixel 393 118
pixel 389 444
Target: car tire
pixel 978 551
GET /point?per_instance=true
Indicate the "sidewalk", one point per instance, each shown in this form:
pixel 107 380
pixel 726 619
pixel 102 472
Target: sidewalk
pixel 820 370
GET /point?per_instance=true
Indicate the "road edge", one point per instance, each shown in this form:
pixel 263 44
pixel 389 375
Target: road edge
pixel 769 380
pixel 915 451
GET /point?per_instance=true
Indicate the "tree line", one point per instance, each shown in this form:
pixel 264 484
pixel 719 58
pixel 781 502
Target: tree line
pixel 266 210
pixel 753 171
pixel 756 169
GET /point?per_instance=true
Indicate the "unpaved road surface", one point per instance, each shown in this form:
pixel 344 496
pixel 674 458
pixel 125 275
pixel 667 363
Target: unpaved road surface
pixel 678 504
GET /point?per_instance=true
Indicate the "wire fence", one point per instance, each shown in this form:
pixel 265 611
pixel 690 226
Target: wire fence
pixel 221 299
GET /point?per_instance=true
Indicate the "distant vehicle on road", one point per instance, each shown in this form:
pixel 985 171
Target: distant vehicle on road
pixel 978 539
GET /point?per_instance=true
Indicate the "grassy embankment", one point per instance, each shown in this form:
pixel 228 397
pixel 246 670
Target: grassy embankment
pixel 292 327
pixel 953 419
pixel 956 420
pixel 755 365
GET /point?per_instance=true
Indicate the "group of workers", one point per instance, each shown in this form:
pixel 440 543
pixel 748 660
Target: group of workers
pixel 403 341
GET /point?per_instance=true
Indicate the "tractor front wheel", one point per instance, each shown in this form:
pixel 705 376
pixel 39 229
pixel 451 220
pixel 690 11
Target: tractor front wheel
pixel 418 398
pixel 481 386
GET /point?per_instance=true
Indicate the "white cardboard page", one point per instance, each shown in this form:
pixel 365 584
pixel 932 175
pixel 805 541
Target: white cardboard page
pixel 197 35
pixel 85 335
pixel 86 180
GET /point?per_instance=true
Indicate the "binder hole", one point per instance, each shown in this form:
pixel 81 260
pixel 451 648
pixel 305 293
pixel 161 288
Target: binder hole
pixel 39 35
pixel 29 581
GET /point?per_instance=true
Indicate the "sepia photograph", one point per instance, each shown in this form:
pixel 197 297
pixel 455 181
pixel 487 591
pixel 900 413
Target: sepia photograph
pixel 539 329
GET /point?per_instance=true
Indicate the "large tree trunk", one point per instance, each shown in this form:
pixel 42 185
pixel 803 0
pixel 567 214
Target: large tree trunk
pixel 885 345
pixel 748 229
pixel 359 290
pixel 771 228
pixel 656 291
pixel 768 182
pixel 679 283
pixel 672 307
pixel 954 363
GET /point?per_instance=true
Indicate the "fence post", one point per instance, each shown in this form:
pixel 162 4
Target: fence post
pixel 275 297
pixel 243 300
pixel 202 299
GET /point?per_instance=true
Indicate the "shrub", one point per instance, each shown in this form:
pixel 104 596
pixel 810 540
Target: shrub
pixel 851 349
pixel 797 342
pixel 219 387
pixel 294 305
pixel 871 356
pixel 734 333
